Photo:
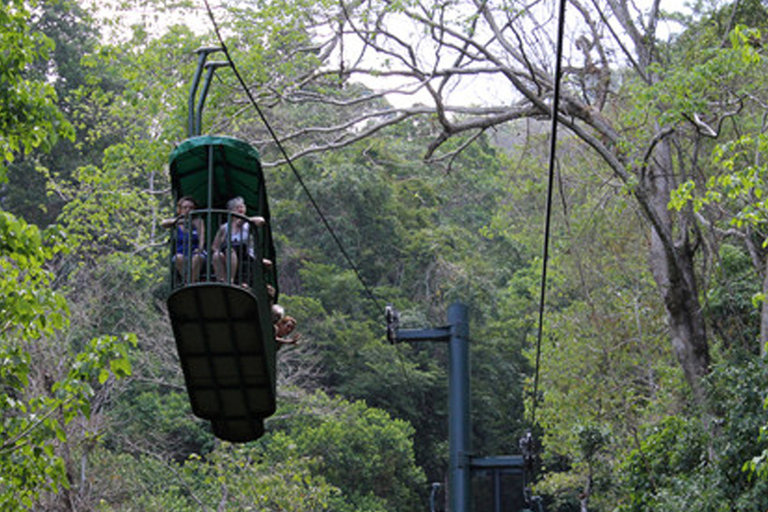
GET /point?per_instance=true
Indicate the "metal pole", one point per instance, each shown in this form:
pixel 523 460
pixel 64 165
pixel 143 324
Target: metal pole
pixel 457 335
pixel 433 497
pixel 202 55
pixel 208 216
pixel 211 69
pixel 458 409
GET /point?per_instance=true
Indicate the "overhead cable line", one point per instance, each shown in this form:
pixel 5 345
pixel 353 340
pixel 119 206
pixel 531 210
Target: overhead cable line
pixel 295 171
pixel 288 160
pixel 548 215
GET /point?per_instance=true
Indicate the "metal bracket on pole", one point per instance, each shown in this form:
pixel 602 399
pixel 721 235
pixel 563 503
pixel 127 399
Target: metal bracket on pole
pixel 202 56
pixel 395 335
pixel 211 67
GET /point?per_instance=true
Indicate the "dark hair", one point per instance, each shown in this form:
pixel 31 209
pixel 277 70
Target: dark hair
pixel 186 198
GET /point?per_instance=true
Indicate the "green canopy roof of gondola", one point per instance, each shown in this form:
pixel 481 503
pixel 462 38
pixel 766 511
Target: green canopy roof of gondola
pixel 236 172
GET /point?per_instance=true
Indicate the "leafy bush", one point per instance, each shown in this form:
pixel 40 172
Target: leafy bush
pixel 692 464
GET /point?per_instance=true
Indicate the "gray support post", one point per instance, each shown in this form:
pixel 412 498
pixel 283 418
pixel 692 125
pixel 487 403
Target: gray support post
pixel 457 335
pixel 458 409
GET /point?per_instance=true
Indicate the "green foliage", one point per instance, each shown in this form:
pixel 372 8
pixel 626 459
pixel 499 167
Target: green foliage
pixel 758 465
pixel 731 190
pixel 683 464
pixel 33 425
pixel 28 306
pixel 319 454
pixel 422 237
pixel 730 194
pixel 605 366
pixel 33 415
pixel 738 187
pixel 737 396
pixel 158 422
pixel 258 480
pixel 731 298
pixel 29 116
pixel 361 450
pixel 498 371
pixel 409 383
pixel 74 33
pixel 675 446
pixel 689 90
pixel 104 203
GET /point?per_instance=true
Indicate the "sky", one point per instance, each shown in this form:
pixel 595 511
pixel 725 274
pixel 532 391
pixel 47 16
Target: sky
pixel 471 91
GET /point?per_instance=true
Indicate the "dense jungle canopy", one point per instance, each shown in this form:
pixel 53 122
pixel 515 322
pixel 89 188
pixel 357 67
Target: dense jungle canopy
pixel 421 130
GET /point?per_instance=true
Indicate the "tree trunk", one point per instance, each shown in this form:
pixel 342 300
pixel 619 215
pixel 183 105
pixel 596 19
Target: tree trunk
pixel 673 268
pixel 677 284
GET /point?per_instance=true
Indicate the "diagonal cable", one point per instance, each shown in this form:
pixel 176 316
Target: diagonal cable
pixel 295 171
pixel 548 216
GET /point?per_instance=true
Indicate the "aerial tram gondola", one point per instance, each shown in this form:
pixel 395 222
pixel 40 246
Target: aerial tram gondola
pixel 222 321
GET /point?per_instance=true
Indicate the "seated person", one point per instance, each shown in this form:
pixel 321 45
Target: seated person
pixel 188 238
pixel 233 237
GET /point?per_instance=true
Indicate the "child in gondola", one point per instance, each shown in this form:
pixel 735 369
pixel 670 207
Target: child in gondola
pixel 190 237
pixel 283 325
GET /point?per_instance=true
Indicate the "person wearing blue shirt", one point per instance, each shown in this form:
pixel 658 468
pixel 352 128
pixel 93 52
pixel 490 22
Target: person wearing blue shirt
pixel 190 238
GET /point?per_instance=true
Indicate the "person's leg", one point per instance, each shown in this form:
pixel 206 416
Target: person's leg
pixel 233 264
pixel 219 267
pixel 178 260
pixel 197 264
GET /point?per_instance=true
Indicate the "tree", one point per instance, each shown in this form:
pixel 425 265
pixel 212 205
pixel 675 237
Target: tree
pixel 360 450
pixel 648 137
pixel 38 404
pixel 74 39
pixel 669 469
pixel 29 115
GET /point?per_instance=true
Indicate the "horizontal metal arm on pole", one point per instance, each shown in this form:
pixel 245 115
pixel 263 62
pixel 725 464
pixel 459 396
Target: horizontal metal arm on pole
pixel 437 334
pixel 396 335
